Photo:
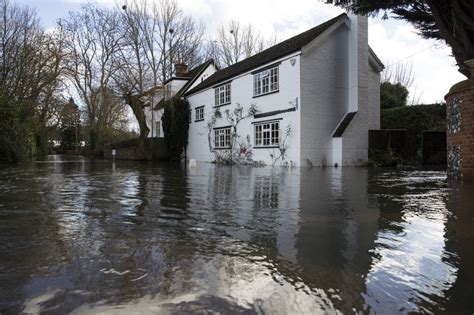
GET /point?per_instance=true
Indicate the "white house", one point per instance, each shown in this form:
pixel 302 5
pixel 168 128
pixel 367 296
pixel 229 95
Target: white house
pixel 309 100
pixel 175 86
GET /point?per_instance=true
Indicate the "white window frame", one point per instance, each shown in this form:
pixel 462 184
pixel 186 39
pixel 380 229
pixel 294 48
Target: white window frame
pixel 267 134
pixel 222 95
pixel 222 138
pixel 199 113
pixel 266 81
pixel 157 129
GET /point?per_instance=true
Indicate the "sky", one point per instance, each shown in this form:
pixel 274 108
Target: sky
pixel 393 41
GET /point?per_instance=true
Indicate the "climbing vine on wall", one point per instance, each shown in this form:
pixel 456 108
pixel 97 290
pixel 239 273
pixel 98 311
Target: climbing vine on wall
pixel 240 149
pixel 281 153
pixel 175 121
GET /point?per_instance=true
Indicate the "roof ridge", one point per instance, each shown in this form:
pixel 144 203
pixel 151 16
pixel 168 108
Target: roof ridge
pixel 274 52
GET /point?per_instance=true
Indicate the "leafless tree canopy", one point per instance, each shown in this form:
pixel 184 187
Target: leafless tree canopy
pixel 402 73
pixel 235 42
pixel 399 73
pixel 156 35
pixel 92 41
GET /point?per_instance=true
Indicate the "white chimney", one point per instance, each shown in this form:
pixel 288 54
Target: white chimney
pixel 358 62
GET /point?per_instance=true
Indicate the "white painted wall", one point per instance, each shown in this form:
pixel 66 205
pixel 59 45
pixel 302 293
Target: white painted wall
pixel 204 75
pixel 374 99
pixel 355 140
pixel 242 93
pixel 175 85
pixel 331 76
pixel 151 120
pixel 324 95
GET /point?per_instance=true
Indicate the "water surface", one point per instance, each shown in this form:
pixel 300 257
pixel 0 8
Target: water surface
pixel 89 237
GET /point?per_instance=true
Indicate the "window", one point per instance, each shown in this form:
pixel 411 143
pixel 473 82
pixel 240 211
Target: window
pixel 267 134
pixel 157 129
pixel 199 113
pixel 265 81
pixel 222 94
pixel 222 138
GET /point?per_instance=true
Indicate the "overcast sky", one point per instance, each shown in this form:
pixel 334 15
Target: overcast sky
pixel 392 40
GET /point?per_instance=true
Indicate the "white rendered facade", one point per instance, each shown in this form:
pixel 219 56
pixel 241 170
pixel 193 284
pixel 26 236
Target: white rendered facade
pixel 307 94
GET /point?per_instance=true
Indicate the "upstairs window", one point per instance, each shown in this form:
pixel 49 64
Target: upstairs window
pixel 267 134
pixel 199 111
pixel 265 81
pixel 222 138
pixel 222 94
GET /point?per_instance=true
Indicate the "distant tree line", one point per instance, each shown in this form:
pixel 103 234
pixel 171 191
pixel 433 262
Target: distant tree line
pixel 110 60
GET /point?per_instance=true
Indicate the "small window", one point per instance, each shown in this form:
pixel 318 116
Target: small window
pixel 222 95
pixel 265 81
pixel 222 138
pixel 199 113
pixel 157 129
pixel 267 134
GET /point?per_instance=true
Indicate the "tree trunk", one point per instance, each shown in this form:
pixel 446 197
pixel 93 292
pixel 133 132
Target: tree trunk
pixel 137 107
pixel 41 143
pixel 94 139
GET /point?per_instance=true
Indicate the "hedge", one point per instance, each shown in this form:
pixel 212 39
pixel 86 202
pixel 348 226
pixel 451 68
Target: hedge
pixel 415 119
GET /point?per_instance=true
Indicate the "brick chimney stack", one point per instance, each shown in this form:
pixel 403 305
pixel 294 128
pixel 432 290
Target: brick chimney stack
pixel 181 69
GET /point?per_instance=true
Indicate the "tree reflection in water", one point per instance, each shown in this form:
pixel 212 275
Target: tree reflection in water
pixel 92 236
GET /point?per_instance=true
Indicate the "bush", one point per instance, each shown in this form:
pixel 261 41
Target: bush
pixel 415 119
pixel 175 121
pixel 392 95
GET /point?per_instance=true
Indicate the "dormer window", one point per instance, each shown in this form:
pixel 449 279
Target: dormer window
pixel 222 95
pixel 265 81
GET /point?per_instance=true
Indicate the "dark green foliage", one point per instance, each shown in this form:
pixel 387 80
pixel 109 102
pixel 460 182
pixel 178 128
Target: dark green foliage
pixel 451 21
pixel 16 136
pixel 392 95
pixel 415 119
pixel 175 122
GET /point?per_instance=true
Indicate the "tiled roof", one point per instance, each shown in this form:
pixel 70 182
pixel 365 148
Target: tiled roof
pixel 279 50
pixel 192 75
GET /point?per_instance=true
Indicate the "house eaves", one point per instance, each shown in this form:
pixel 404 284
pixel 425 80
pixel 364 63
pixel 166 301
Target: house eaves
pixel 273 53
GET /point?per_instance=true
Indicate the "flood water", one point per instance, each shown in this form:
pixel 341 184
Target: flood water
pixel 96 237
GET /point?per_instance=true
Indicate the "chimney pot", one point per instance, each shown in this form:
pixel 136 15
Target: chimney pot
pixel 181 69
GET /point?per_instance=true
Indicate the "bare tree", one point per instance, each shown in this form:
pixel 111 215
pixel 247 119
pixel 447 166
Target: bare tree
pixel 156 35
pixel 92 39
pixel 402 73
pixel 235 42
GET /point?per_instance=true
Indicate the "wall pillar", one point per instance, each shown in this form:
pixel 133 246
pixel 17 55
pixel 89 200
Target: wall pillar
pixel 460 128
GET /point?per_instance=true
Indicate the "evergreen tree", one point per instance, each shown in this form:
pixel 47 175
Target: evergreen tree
pixel 175 122
pixel 70 124
pixel 392 95
pixel 451 21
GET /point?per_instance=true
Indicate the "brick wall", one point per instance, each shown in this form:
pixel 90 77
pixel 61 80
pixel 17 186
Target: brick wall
pixel 460 130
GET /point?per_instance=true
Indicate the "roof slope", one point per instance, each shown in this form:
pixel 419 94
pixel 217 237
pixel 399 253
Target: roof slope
pixel 192 74
pixel 279 50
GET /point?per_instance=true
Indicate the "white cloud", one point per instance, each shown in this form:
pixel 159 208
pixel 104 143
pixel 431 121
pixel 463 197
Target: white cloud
pixel 433 68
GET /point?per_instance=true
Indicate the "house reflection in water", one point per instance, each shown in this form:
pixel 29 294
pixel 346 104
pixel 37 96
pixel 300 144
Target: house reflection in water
pixel 144 238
